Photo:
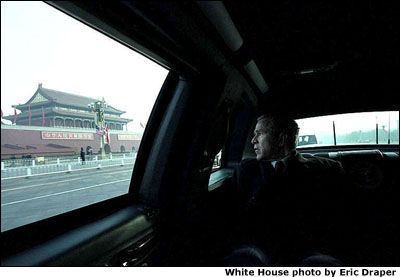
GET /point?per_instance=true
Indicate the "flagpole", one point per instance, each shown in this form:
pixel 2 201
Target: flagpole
pixel 376 129
pixel 389 130
pixel 15 115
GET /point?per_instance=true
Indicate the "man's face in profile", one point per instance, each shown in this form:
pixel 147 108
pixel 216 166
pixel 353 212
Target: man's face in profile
pixel 263 142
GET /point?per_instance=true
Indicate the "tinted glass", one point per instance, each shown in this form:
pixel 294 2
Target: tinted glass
pixel 74 106
pixel 355 128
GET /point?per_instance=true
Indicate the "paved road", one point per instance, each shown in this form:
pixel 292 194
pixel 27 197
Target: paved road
pixel 26 200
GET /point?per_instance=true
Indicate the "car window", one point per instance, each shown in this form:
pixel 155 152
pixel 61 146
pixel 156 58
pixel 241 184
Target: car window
pixel 354 128
pixel 74 106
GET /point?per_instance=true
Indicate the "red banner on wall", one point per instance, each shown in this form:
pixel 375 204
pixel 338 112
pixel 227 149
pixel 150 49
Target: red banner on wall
pixel 67 135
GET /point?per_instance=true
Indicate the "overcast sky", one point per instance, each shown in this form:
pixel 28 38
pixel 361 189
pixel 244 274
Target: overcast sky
pixel 39 44
pixel 347 123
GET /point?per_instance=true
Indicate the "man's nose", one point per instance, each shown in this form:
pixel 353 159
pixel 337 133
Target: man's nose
pixel 253 140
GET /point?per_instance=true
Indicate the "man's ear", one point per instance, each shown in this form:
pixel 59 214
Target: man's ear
pixel 282 139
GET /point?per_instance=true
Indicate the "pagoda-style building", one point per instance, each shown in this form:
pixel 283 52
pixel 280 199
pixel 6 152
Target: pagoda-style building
pixel 55 123
pixel 52 108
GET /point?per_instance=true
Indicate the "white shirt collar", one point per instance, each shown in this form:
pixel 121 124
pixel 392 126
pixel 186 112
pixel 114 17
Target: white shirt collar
pixel 284 160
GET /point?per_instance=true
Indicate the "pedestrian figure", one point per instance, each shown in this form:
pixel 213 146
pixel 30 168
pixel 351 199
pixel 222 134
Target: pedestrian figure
pixel 82 155
pixel 89 154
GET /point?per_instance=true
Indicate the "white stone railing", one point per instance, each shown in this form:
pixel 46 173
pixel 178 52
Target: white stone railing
pixel 66 167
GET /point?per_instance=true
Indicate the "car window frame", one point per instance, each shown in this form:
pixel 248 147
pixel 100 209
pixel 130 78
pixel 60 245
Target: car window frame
pixel 55 231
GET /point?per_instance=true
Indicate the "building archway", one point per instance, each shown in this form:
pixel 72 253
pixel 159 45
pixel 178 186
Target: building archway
pixel 86 124
pixel 59 122
pixel 78 123
pixel 69 122
pixel 107 148
pixel 122 148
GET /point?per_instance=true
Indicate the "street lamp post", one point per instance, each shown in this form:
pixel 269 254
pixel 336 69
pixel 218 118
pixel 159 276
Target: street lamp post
pixel 98 108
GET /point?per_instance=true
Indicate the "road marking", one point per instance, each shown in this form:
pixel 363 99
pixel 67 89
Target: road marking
pixel 63 192
pixel 32 186
pixel 120 171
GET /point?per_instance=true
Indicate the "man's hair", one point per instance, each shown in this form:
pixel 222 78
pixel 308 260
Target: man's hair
pixel 282 124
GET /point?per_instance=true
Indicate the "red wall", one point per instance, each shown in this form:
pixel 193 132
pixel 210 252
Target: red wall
pixel 24 138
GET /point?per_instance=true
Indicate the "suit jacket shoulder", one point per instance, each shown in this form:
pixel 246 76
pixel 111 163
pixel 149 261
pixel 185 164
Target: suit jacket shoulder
pixel 319 163
pixel 248 164
pixel 246 169
pixel 318 174
pixel 246 176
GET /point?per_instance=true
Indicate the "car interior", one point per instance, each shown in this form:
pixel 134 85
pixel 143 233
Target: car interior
pixel 228 62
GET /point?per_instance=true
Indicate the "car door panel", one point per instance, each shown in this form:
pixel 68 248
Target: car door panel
pixel 89 244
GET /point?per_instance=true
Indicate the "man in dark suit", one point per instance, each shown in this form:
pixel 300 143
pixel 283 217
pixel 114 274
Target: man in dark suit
pixel 287 204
